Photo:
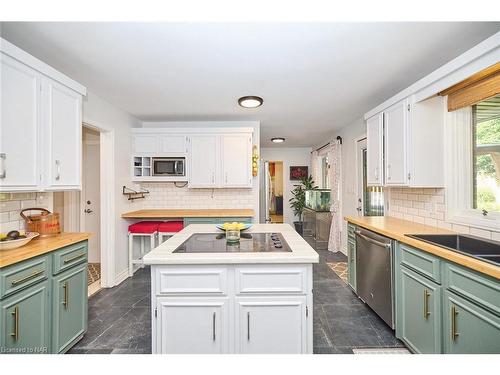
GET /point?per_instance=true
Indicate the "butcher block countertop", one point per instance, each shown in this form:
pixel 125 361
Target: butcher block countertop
pixel 40 246
pixel 167 213
pixel 397 228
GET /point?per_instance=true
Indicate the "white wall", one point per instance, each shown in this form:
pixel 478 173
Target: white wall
pixel 295 156
pixel 100 113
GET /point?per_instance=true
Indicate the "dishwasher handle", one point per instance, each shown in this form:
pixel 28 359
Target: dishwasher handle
pixel 375 242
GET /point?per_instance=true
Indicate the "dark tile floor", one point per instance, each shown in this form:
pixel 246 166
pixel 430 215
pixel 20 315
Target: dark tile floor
pixel 120 317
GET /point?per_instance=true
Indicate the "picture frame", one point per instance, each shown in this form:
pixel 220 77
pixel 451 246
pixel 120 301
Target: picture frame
pixel 298 172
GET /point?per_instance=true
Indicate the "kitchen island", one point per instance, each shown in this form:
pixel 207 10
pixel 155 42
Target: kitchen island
pixel 253 297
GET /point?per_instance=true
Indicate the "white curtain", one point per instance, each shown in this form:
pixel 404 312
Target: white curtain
pixel 314 166
pixel 334 159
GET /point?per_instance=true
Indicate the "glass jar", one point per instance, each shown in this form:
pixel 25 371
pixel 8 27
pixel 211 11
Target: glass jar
pixel 233 235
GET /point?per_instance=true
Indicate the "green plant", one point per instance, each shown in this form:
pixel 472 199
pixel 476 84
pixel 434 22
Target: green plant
pixel 298 200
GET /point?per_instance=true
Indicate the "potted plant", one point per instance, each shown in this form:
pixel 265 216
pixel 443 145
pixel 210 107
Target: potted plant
pixel 298 200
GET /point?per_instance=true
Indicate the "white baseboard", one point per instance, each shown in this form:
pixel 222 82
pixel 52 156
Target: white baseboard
pixel 121 277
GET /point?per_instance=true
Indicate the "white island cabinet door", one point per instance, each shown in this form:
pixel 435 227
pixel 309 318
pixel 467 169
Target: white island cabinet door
pixel 18 126
pixel 204 158
pixel 271 325
pixel 62 135
pixel 396 126
pixel 375 150
pixel 192 326
pixel 236 160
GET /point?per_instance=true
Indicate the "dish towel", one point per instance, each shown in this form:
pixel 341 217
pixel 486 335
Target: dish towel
pixel 334 159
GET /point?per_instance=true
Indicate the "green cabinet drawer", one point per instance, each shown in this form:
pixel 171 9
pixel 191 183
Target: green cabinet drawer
pixel 68 257
pixel 351 263
pixel 418 312
pixel 21 275
pixel 200 220
pixel 476 287
pixel 468 328
pixel 246 220
pixel 24 321
pixel 350 231
pixel 69 307
pixel 420 262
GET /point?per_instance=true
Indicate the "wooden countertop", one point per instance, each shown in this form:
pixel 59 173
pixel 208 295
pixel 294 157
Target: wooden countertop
pixel 397 228
pixel 40 246
pixel 161 213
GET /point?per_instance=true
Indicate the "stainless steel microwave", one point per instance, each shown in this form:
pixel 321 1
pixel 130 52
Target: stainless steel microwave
pixel 169 166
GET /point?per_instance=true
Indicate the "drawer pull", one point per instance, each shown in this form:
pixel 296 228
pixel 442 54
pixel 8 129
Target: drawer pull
pixel 26 278
pixel 454 314
pixel 426 304
pixel 15 313
pixel 66 295
pixel 69 260
pixel 213 326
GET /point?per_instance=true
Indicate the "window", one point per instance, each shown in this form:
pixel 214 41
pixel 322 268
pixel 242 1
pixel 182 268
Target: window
pixel 486 155
pixel 472 150
pixel 325 172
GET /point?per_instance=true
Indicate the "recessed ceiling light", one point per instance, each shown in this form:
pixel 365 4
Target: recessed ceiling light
pixel 250 101
pixel 278 140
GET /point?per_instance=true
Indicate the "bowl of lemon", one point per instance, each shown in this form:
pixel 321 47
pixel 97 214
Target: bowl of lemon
pixel 15 239
pixel 233 226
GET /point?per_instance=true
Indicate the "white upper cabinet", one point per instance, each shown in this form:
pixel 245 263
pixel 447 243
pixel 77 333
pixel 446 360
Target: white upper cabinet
pixel 62 134
pixel 174 144
pixel 236 160
pixel 145 144
pixel 375 150
pixel 396 124
pixel 19 126
pixel 204 161
pixel 40 129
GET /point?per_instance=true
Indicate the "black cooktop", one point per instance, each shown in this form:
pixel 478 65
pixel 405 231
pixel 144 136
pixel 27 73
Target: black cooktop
pixel 249 243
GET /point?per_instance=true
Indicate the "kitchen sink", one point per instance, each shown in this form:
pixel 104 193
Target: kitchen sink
pixel 469 245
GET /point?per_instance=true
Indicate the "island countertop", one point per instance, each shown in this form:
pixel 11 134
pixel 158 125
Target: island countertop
pixel 301 252
pixel 40 246
pixel 181 213
pixel 397 229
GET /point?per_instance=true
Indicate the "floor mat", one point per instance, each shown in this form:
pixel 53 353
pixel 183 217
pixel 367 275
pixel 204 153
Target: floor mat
pixel 340 268
pixel 381 351
pixel 93 272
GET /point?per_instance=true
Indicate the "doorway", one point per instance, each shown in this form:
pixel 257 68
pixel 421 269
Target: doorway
pixel 370 199
pixel 90 202
pixel 272 185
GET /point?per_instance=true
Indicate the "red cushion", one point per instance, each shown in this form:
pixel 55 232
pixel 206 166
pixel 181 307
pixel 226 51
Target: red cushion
pixel 144 227
pixel 171 226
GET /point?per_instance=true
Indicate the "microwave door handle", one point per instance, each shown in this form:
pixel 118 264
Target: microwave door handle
pixel 175 167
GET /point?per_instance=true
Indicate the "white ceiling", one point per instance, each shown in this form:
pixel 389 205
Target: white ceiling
pixel 314 78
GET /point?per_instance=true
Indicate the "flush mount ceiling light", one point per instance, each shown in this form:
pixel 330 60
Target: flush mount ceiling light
pixel 278 140
pixel 250 101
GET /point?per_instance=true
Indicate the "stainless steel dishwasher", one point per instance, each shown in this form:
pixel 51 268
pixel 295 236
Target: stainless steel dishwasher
pixel 374 273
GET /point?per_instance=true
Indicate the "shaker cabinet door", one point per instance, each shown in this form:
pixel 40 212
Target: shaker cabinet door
pixel 192 326
pixel 204 160
pixel 24 319
pixel 396 127
pixel 19 166
pixel 419 312
pixel 375 150
pixel 271 325
pixel 236 160
pixel 62 135
pixel 69 307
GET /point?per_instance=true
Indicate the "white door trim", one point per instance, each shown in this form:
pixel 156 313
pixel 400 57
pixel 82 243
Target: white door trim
pixel 359 173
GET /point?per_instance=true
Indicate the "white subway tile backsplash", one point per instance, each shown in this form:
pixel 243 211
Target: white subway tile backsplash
pixel 10 206
pixel 12 203
pixel 427 206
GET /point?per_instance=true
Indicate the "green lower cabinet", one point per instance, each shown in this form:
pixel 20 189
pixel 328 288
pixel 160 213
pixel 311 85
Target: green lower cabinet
pixel 469 328
pixel 69 309
pixel 418 312
pixel 24 319
pixel 351 263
